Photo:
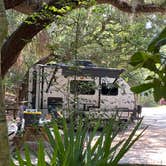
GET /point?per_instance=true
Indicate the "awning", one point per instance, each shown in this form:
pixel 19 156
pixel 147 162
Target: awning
pixel 91 71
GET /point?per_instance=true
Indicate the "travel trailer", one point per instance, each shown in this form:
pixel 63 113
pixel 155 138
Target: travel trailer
pixel 96 92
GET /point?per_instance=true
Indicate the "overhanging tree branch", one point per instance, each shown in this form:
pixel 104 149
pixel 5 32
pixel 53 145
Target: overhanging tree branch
pixel 17 41
pixel 120 4
pixel 11 4
pixel 26 31
pixel 129 8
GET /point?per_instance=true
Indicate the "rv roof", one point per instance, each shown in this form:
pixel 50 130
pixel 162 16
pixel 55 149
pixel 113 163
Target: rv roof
pixel 91 71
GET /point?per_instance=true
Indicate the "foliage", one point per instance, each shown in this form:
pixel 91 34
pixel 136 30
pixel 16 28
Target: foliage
pixel 80 148
pixel 104 35
pixel 158 41
pixel 147 100
pixel 155 62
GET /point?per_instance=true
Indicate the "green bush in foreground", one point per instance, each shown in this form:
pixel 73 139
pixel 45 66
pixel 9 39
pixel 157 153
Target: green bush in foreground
pixel 78 148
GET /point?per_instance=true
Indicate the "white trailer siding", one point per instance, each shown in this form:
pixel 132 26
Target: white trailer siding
pixel 55 82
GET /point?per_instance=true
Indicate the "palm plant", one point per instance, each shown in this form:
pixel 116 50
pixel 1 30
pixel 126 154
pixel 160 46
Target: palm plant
pixel 81 147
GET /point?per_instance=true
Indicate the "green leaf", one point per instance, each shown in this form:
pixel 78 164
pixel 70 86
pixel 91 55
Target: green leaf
pixel 54 158
pixel 154 44
pixel 41 155
pixel 68 8
pixel 53 8
pixel 160 43
pixel 113 149
pixel 149 78
pixel 27 155
pixel 59 142
pixel 145 60
pixel 138 58
pixel 50 137
pixel 142 87
pixel 159 92
pixel 19 158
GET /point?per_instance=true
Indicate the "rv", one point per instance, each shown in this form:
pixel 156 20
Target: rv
pixel 96 92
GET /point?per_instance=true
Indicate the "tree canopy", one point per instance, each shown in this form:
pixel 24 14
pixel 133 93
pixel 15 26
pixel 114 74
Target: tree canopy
pixel 46 14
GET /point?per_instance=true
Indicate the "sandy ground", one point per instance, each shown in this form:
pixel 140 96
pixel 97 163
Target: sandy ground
pixel 151 147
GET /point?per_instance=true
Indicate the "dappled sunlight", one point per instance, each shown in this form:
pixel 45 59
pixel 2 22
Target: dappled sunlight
pixel 151 147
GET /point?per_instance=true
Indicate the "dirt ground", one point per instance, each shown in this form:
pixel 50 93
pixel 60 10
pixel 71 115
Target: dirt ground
pixel 151 147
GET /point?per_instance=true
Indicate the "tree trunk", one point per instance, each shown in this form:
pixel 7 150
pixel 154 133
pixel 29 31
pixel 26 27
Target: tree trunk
pixel 4 146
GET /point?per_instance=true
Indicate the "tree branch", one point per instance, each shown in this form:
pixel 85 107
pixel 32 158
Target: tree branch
pixel 12 3
pixel 16 42
pixel 120 4
pixel 139 8
pixel 46 59
pixel 26 32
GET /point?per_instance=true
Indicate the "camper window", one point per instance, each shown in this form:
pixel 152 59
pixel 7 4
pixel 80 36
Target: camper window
pixel 109 89
pixel 82 87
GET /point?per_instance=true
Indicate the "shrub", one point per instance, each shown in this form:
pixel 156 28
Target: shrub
pixel 78 148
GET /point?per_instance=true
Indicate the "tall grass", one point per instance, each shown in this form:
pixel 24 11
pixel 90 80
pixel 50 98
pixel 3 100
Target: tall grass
pixel 81 147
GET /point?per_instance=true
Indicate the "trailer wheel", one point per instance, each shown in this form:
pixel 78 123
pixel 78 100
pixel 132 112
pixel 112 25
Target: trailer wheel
pixel 136 115
pixel 139 109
